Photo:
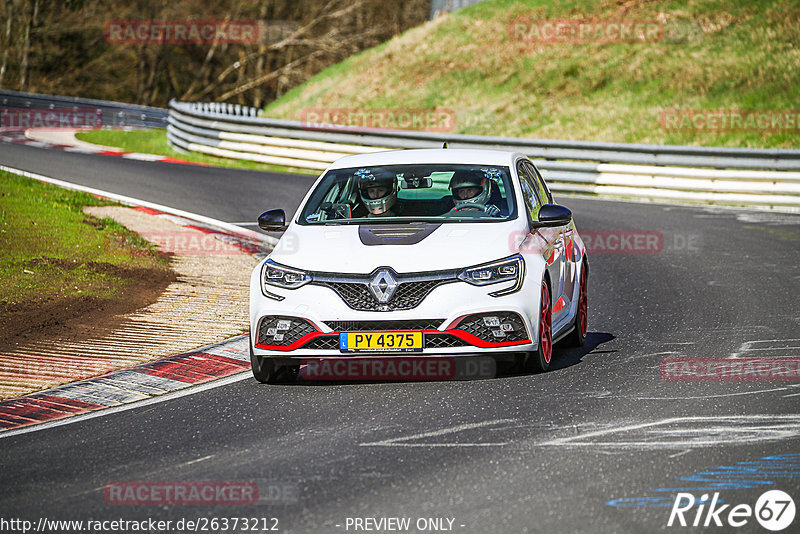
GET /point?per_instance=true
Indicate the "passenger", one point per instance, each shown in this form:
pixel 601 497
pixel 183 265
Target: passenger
pixel 378 192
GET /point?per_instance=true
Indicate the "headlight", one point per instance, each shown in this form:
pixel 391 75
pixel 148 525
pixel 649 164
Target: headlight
pixel 277 275
pixel 507 269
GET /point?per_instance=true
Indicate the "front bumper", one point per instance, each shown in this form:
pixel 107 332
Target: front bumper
pixel 451 317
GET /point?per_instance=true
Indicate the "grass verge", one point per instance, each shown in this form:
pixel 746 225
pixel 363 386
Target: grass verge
pixel 485 64
pixel 59 264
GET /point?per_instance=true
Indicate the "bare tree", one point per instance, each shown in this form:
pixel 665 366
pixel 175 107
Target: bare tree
pixel 60 46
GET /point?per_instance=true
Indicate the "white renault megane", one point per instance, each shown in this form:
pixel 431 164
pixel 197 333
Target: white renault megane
pixel 420 254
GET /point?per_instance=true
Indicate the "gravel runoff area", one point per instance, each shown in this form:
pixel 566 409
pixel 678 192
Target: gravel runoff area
pixel 206 304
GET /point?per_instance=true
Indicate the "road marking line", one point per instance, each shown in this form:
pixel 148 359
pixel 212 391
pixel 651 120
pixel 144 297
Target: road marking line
pixel 772 348
pixel 191 462
pixel 680 453
pixel 712 396
pixel 747 346
pixel 768 432
pixel 395 442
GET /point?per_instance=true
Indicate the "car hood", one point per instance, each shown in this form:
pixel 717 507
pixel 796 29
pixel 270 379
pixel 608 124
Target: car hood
pixel 342 249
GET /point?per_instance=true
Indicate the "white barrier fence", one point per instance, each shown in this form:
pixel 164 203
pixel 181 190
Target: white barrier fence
pixel 767 179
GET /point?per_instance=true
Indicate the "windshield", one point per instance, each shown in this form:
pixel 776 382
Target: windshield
pixel 404 193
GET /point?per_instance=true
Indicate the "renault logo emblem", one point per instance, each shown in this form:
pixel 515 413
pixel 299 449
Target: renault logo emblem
pixel 383 285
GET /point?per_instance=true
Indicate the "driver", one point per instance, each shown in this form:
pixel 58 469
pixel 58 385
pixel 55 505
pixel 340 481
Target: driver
pixel 471 191
pixel 378 192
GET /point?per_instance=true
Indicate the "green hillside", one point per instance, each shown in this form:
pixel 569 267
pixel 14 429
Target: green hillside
pixel 486 65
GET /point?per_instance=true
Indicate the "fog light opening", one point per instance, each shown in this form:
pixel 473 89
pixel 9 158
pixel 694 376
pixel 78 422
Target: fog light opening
pixel 491 321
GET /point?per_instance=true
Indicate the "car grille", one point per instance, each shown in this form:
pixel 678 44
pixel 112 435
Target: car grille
pixel 369 326
pixel 269 332
pixel 440 341
pixel 356 296
pixel 477 326
pixel 407 296
pixel 410 294
pixel 323 343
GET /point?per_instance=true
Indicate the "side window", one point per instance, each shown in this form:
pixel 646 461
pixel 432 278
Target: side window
pixel 541 187
pixel 529 195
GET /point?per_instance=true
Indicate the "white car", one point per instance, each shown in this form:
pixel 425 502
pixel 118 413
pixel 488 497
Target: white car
pixel 419 254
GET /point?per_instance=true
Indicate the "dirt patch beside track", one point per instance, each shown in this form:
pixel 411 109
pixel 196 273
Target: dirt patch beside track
pixel 77 318
pixel 202 302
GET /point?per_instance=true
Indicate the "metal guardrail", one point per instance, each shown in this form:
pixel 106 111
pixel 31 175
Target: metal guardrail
pixel 115 114
pixel 753 177
pixel 714 157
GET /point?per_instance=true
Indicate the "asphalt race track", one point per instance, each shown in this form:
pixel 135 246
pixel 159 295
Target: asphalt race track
pixel 602 443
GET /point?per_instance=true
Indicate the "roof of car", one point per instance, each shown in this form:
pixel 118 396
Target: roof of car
pixel 427 156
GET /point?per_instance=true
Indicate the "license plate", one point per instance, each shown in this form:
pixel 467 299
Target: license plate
pixel 381 341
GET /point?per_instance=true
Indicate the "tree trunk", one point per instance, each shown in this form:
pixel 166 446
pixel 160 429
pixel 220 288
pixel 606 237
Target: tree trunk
pixel 7 39
pixel 258 92
pixel 140 68
pixel 241 76
pixel 26 47
pixel 282 81
pixel 151 86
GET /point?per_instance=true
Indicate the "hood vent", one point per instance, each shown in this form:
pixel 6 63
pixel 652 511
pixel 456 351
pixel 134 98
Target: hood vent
pixel 395 234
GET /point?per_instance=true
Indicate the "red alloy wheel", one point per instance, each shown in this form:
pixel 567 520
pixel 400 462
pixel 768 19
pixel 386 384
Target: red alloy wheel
pixel 545 325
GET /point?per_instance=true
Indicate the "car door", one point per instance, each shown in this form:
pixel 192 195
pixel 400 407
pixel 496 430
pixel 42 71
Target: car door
pixel 569 277
pixel 549 240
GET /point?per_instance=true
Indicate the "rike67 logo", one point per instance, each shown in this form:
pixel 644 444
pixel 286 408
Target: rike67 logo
pixel 774 510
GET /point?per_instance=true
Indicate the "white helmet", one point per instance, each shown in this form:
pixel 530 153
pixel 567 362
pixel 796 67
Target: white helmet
pixel 471 178
pixel 368 179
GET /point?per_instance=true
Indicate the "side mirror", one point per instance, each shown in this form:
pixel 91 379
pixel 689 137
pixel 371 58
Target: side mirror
pixel 272 221
pixel 553 215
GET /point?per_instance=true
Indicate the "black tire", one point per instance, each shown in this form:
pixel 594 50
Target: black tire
pixel 263 368
pixel 539 360
pixel 577 338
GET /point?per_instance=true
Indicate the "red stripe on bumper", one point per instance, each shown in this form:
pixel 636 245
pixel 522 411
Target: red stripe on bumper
pixel 461 334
